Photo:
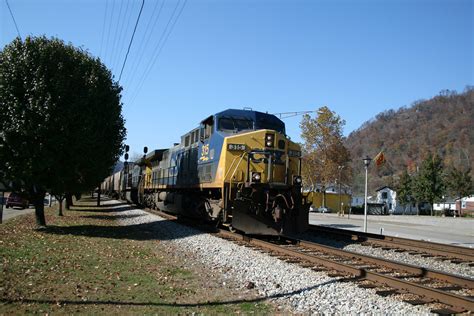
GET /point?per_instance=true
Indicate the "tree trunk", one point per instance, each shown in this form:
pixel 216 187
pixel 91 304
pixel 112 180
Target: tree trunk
pixel 68 201
pixel 60 211
pixel 98 197
pixel 38 202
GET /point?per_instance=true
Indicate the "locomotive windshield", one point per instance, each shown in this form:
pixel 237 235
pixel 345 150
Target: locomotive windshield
pixel 242 120
pixel 266 121
pixel 235 124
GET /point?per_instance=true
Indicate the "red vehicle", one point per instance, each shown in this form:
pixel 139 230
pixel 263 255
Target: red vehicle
pixel 14 199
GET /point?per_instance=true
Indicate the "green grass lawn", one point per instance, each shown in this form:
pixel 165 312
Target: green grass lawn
pixel 85 262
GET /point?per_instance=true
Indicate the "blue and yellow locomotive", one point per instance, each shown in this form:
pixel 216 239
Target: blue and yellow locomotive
pixel 238 168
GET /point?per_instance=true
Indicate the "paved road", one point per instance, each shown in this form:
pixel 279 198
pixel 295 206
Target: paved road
pixel 9 213
pixel 456 231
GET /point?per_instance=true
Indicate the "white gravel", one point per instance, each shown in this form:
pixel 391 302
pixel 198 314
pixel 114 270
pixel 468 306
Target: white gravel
pixel 300 290
pixel 430 263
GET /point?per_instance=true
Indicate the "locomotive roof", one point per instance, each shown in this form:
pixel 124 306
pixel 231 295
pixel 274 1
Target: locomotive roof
pixel 250 114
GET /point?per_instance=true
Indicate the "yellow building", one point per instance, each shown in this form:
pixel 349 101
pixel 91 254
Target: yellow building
pixel 329 200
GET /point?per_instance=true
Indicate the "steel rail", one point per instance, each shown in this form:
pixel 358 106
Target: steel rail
pixel 415 271
pixel 461 303
pixel 437 249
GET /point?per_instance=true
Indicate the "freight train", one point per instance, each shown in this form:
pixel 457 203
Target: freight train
pixel 238 168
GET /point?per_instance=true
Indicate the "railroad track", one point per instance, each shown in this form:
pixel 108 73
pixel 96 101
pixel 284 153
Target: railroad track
pixel 455 254
pixel 425 285
pixel 449 293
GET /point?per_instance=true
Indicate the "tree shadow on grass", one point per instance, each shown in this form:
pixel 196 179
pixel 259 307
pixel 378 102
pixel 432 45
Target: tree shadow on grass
pixel 110 209
pixel 155 230
pixel 165 304
pixel 112 217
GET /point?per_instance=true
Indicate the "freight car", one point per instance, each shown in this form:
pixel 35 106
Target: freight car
pixel 237 168
pixel 119 184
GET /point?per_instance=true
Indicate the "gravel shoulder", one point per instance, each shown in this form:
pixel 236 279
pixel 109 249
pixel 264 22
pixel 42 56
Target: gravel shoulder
pixel 290 287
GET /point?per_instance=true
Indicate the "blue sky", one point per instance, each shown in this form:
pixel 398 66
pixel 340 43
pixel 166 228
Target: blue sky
pixel 356 57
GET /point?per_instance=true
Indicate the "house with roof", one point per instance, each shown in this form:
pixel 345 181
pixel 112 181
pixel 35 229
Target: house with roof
pixel 465 205
pixel 388 196
pixel 446 204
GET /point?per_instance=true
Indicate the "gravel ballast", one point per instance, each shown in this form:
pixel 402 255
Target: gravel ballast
pixel 294 288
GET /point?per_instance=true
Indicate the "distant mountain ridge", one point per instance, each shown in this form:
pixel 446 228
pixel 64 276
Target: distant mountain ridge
pixel 443 124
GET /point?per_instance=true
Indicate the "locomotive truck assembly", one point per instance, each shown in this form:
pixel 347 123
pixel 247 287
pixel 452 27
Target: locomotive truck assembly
pixel 238 168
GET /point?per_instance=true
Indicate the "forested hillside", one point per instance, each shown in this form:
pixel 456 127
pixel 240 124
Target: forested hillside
pixel 442 125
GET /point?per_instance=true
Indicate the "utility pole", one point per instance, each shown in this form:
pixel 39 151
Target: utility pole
pixel 341 211
pixel 367 161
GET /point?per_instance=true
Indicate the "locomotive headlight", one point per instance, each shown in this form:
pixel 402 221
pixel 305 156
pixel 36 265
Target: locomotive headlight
pixel 297 180
pixel 256 176
pixel 269 140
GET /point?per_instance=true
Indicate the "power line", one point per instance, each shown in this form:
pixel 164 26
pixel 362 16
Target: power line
pixel 154 56
pixel 103 27
pixel 146 39
pixel 13 18
pixel 122 45
pixel 114 42
pixel 285 115
pixel 166 36
pixel 108 31
pixel 131 40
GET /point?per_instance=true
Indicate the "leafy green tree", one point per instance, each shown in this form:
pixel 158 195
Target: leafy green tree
pixel 429 184
pixel 62 127
pixel 459 183
pixel 324 149
pixel 404 189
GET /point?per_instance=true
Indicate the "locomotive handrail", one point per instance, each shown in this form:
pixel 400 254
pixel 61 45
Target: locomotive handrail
pixel 231 165
pixel 235 169
pixel 233 173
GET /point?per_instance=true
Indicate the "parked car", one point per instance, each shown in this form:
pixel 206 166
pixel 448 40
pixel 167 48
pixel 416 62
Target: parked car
pixel 323 210
pixel 314 208
pixel 14 199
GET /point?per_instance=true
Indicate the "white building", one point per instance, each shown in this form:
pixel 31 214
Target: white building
pixel 388 196
pixel 357 201
pixel 447 205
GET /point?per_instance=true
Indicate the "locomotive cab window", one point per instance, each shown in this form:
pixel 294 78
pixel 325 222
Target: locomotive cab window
pixel 235 124
pixel 208 125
